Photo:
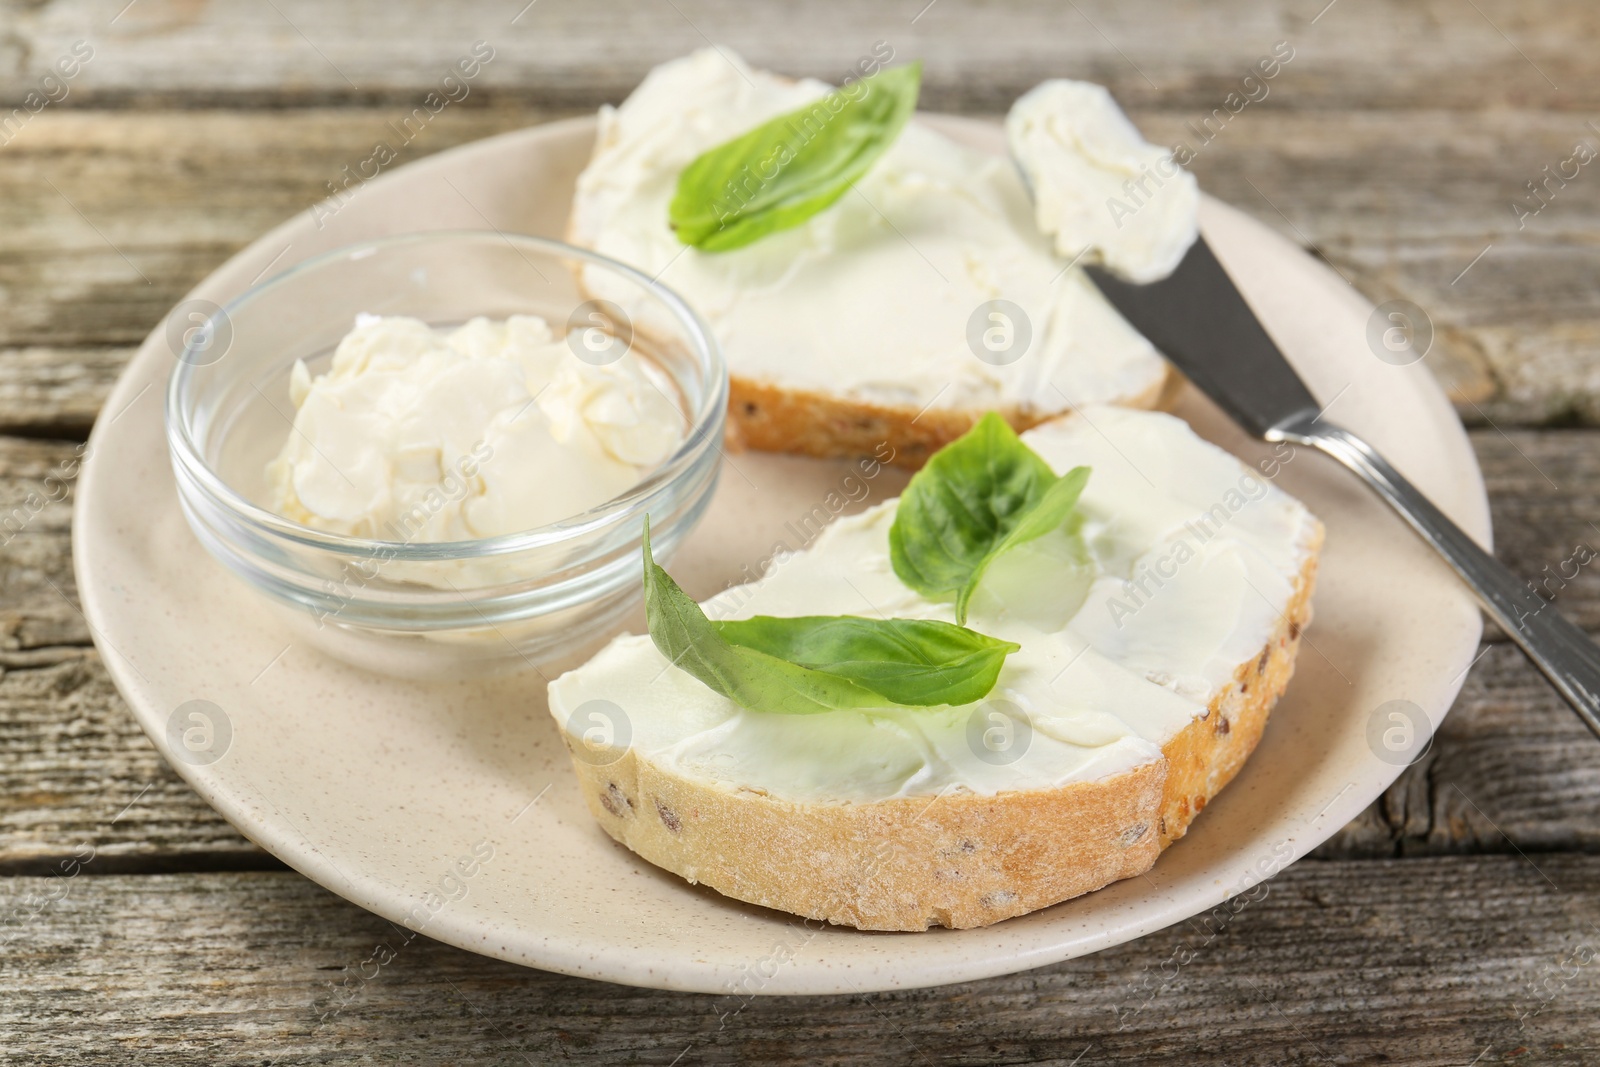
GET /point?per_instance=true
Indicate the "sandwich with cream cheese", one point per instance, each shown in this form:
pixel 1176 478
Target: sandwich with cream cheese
pixel 1015 684
pixel 920 297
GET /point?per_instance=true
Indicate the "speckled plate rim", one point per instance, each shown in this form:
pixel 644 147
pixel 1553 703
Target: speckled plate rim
pixel 1419 633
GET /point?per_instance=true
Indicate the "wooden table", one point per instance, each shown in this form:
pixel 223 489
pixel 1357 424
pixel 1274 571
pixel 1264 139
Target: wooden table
pixel 1453 923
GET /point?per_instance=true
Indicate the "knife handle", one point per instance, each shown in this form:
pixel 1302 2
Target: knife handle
pixel 1563 652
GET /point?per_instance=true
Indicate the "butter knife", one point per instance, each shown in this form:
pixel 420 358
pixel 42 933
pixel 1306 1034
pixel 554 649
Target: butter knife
pixel 1199 319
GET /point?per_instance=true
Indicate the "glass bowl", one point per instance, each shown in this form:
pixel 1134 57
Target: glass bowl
pixel 525 600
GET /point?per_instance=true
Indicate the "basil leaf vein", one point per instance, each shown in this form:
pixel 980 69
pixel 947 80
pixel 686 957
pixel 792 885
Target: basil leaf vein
pixel 788 169
pixel 812 664
pixel 977 498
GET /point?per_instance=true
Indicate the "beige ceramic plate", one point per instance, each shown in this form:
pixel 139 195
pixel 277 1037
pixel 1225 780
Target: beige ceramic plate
pixel 385 791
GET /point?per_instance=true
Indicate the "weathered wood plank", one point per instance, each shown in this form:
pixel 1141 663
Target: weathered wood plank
pixel 1544 496
pixel 1512 768
pixel 77 771
pixel 1434 208
pixel 107 218
pixel 40 607
pixel 56 391
pixel 1358 54
pixel 1406 962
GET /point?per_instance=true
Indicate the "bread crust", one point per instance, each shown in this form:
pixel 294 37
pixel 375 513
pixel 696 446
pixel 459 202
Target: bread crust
pixel 776 418
pixel 955 860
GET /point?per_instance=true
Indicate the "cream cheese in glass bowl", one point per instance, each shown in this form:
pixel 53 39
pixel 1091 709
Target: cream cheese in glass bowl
pixel 437 453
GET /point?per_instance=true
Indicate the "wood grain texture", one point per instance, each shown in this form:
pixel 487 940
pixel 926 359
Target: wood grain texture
pixel 1430 961
pixel 1403 204
pixel 40 607
pixel 1544 498
pixel 56 392
pixel 1512 768
pixel 980 56
pixel 77 770
pixel 107 218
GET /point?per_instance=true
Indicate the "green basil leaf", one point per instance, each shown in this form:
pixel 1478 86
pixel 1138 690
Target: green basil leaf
pixel 1048 514
pixel 979 496
pixel 786 170
pixel 816 663
pixel 911 662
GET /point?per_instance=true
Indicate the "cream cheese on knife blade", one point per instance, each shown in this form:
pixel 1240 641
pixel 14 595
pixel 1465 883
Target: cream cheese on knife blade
pixel 1130 619
pixel 1104 193
pixel 877 297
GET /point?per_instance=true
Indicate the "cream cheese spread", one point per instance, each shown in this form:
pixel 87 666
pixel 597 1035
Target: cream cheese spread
pixel 884 297
pixel 1174 570
pixel 418 435
pixel 1104 193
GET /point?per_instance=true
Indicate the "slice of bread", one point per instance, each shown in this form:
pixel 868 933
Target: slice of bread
pixel 921 299
pixel 1144 696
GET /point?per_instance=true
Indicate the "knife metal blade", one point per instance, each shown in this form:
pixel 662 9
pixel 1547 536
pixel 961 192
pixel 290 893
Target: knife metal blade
pixel 1198 318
